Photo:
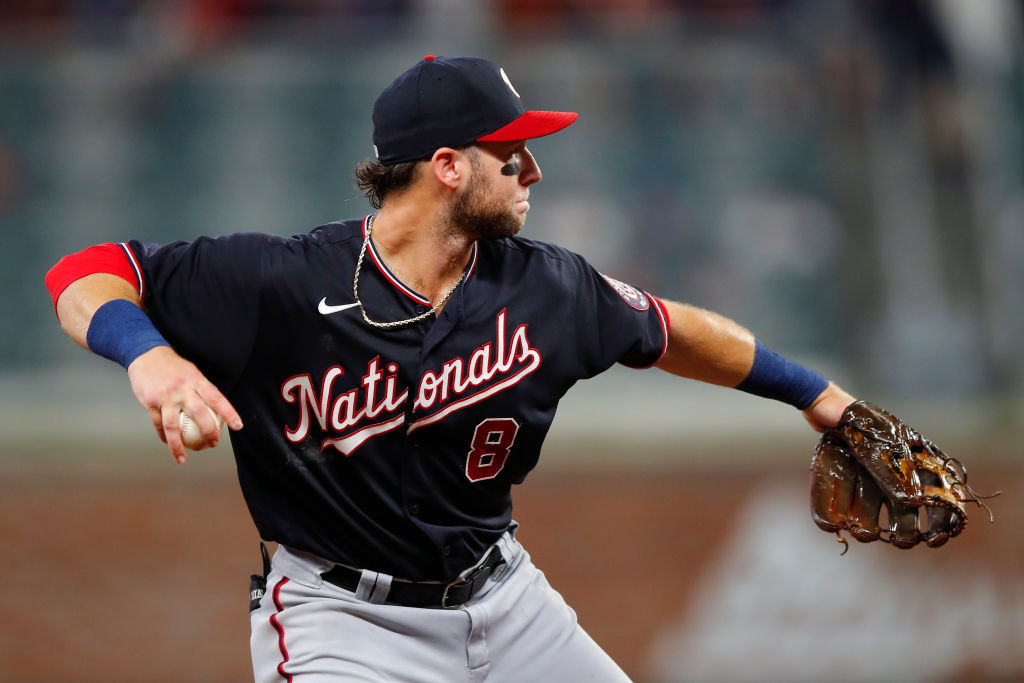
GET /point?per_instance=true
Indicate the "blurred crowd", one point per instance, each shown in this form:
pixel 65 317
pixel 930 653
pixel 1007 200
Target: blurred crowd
pixel 845 177
pixel 915 21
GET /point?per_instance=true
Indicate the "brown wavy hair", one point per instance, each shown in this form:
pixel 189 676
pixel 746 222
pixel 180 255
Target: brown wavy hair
pixel 376 181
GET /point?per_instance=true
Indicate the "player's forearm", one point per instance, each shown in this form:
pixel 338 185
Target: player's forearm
pixel 712 348
pixel 79 302
pixel 706 346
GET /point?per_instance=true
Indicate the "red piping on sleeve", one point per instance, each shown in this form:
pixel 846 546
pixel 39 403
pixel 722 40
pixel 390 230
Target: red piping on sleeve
pixel 666 324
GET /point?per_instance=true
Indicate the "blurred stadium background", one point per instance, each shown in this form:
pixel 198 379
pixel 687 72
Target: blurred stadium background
pixel 844 177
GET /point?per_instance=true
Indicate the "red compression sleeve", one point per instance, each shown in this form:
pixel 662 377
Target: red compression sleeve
pixel 115 259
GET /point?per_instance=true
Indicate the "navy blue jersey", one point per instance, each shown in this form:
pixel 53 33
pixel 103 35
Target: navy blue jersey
pixel 389 449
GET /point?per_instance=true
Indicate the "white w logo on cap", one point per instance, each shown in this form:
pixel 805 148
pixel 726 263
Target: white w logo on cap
pixel 504 77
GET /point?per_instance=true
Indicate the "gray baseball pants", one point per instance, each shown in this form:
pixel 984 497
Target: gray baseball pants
pixel 517 628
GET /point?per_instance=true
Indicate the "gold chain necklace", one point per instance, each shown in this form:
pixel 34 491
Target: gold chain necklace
pixel 398 323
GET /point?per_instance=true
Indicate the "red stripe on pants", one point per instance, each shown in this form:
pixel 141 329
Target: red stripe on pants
pixel 280 631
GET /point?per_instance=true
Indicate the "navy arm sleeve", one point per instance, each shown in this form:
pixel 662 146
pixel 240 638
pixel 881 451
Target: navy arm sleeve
pixel 204 297
pixel 616 322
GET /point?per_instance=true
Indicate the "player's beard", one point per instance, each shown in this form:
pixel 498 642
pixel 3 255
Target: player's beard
pixel 476 213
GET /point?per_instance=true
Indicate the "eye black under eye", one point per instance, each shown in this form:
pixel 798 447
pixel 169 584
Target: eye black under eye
pixel 511 168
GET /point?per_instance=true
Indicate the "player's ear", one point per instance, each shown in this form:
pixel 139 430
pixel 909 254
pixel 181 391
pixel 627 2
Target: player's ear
pixel 450 167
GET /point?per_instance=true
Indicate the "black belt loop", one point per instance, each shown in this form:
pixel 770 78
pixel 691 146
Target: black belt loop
pixel 412 594
pixel 258 583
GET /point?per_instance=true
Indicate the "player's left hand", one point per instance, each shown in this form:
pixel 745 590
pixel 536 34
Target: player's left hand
pixel 874 459
pixel 827 409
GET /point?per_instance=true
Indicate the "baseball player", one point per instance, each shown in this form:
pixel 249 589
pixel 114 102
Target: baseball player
pixel 387 379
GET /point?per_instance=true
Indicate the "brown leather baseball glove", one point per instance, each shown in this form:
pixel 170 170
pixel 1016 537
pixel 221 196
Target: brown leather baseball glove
pixel 873 459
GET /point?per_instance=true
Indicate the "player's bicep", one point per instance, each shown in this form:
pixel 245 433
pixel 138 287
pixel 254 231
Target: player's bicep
pixel 706 346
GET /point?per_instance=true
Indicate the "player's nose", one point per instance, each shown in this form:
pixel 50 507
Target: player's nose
pixel 529 171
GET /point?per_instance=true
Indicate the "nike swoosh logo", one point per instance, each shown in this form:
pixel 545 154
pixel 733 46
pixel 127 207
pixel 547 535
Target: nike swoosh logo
pixel 327 310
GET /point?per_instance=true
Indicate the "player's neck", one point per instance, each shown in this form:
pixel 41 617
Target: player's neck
pixel 419 249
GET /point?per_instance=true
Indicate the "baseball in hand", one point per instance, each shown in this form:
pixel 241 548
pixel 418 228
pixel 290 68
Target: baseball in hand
pixel 190 434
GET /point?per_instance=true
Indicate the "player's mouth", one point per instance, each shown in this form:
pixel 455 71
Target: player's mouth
pixel 522 206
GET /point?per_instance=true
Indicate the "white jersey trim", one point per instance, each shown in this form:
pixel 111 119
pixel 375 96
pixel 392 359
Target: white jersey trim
pixel 393 279
pixel 135 266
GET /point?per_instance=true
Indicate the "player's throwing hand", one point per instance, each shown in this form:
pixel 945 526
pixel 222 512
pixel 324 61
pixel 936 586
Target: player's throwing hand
pixel 166 384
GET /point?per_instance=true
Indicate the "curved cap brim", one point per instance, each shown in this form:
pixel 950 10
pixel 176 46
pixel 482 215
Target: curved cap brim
pixel 532 124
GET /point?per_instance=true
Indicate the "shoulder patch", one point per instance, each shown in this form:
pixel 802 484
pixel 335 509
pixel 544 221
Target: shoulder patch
pixel 631 295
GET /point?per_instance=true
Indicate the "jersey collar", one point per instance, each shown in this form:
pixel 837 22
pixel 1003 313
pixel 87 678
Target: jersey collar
pixel 398 284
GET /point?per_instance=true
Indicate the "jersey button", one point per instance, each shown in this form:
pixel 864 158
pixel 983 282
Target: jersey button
pixel 446 551
pixel 414 510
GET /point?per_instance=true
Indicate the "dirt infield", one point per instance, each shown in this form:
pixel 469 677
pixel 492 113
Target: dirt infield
pixel 145 578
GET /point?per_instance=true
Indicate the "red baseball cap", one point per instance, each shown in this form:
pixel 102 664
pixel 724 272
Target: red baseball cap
pixel 452 102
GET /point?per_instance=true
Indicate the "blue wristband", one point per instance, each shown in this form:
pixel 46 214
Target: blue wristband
pixel 122 332
pixel 772 376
